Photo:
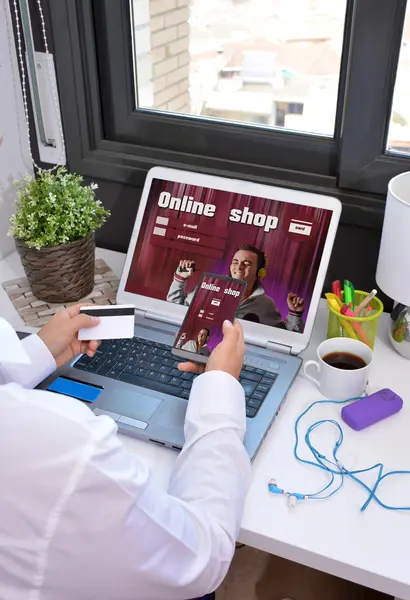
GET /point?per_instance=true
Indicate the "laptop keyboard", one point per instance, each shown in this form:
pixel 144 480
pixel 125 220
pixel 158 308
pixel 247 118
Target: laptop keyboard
pixel 152 365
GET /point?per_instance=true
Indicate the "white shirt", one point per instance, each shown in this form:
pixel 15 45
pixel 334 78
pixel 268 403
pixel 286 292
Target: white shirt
pixel 83 519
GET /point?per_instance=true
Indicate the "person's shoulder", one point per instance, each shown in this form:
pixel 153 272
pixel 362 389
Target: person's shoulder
pixel 261 296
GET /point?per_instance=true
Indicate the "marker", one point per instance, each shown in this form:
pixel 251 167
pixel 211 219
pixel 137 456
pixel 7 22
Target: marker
pixel 345 310
pixel 336 288
pixel 336 304
pixel 349 293
pixel 364 302
pixel 334 301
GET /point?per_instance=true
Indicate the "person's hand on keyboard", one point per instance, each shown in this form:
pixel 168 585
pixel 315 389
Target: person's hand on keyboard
pixel 228 356
pixel 60 334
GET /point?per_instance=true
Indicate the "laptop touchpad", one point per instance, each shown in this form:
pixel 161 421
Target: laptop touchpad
pixel 130 404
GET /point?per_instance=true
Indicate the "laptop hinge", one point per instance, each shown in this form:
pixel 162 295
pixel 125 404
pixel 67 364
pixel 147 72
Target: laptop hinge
pixel 144 314
pixel 279 347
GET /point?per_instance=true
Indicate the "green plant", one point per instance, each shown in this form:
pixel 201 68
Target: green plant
pixel 55 208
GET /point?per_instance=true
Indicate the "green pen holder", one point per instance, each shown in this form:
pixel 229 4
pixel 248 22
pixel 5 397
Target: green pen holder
pixel 362 328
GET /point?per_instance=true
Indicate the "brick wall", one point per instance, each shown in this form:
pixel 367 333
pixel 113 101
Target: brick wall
pixel 161 39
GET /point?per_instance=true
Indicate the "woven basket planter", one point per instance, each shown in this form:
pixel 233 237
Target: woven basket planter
pixel 60 274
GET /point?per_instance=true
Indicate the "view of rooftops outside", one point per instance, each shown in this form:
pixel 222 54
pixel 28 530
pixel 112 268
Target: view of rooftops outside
pixel 398 140
pixel 263 62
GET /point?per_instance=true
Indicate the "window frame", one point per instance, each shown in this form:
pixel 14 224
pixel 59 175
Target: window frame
pixel 364 163
pixel 106 138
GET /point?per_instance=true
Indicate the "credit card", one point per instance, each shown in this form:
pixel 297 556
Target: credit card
pixel 116 322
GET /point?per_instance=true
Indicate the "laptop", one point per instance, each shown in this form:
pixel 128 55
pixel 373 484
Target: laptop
pixel 224 226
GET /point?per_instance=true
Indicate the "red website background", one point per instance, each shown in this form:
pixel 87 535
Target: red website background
pixel 293 259
pixel 212 316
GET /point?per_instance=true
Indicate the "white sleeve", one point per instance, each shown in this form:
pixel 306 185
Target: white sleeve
pixel 28 376
pixel 138 541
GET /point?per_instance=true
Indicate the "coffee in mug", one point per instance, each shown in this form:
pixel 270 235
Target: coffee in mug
pixel 344 360
pixel 342 366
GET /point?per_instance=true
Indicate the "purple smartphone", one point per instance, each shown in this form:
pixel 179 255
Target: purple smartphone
pixel 367 411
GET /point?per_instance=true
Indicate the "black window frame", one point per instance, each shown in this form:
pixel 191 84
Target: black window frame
pixel 364 164
pixel 107 138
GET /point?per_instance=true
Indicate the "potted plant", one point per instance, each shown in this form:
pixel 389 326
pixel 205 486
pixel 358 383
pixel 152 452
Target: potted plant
pixel 54 224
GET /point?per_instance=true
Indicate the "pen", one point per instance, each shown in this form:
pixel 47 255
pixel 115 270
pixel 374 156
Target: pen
pixel 364 302
pixel 336 289
pixel 349 293
pixel 345 310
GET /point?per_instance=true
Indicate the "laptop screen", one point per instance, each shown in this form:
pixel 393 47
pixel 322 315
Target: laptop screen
pixel 275 246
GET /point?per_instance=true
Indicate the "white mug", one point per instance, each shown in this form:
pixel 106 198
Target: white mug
pixel 340 384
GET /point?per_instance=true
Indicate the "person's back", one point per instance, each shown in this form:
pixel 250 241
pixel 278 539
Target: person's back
pixel 82 519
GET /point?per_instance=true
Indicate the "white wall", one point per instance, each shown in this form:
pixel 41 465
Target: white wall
pixel 14 155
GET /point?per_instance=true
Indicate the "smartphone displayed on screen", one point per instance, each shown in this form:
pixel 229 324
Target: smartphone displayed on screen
pixel 216 299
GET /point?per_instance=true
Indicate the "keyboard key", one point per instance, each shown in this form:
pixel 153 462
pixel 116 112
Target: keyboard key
pixel 168 362
pixel 260 371
pixel 268 379
pixel 130 369
pixel 103 370
pixel 105 344
pixel 248 386
pixel 259 396
pixel 152 366
pixel 254 403
pixel 251 376
pixel 175 381
pixel 187 376
pixel 132 360
pixel 261 387
pixel 152 375
pixel 185 394
pixel 250 369
pixel 164 378
pixel 120 365
pixel 82 364
pixel 142 363
pixel 141 372
pixel 176 373
pixel 110 362
pixel 150 384
pixel 186 385
pixel 157 360
pixel 114 373
pixel 251 411
pixel 164 369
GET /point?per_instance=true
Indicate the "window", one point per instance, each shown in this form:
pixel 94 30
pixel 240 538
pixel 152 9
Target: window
pixel 398 140
pixel 140 87
pixel 271 62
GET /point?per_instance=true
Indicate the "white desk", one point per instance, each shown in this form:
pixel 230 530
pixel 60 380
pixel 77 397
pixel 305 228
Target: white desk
pixel 371 548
